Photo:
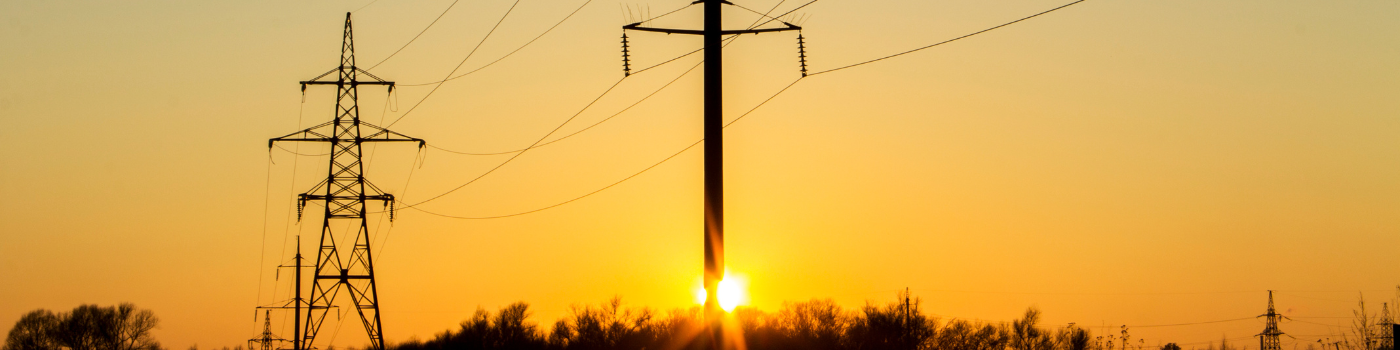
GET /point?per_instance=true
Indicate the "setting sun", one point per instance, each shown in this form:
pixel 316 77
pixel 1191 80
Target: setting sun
pixel 732 292
pixel 889 174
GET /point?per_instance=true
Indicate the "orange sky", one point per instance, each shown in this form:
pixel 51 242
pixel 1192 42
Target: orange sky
pixel 1116 162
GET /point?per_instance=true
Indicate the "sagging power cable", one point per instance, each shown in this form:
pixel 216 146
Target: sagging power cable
pixel 629 107
pixel 629 177
pixel 950 40
pixel 459 65
pixel 415 37
pixel 512 52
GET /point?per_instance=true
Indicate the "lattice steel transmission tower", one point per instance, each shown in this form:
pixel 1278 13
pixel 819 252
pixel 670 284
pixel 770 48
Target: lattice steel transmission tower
pixel 1386 338
pixel 344 195
pixel 266 340
pixel 1268 340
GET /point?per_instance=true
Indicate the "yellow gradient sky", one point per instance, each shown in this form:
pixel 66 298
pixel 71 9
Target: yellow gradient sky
pixel 1116 162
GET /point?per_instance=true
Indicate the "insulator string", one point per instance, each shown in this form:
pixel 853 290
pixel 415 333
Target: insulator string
pixel 802 53
pixel 626 62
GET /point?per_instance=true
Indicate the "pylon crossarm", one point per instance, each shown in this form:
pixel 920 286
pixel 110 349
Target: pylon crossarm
pixel 389 137
pixel 371 75
pixel 356 82
pixel 317 80
pixel 385 135
pixel 381 197
pixel 308 134
pixel 638 26
pixel 323 75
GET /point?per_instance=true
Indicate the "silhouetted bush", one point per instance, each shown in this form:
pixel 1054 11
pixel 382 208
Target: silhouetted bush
pixel 815 324
pixel 509 329
pixel 87 327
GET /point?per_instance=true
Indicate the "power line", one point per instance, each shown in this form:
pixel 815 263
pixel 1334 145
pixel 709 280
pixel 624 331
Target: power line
pixel 414 206
pixel 763 15
pixel 1086 293
pixel 383 244
pixel 950 40
pixel 729 41
pixel 299 153
pixel 292 183
pixel 536 144
pixel 1315 323
pixel 784 14
pixel 1315 298
pixel 629 177
pixel 363 7
pixel 415 37
pixel 1191 323
pixel 537 37
pixel 517 155
pixel 668 61
pixel 1213 341
pixel 262 247
pixel 459 64
pixel 634 104
pixel 595 100
pixel 668 13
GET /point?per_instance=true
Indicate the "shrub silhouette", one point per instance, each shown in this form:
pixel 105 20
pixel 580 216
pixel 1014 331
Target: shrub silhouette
pixel 86 327
pixel 818 324
pixel 509 329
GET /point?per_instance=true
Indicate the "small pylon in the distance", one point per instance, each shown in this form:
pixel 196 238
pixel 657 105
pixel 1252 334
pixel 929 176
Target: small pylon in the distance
pixel 1268 340
pixel 266 340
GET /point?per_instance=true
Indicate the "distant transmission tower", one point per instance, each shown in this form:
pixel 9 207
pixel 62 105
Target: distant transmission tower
pixel 1268 340
pixel 266 340
pixel 1387 329
pixel 343 195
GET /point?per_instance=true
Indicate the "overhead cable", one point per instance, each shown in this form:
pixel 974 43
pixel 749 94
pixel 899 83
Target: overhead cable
pixel 512 52
pixel 629 177
pixel 667 14
pixel 629 107
pixel 415 37
pixel 517 155
pixel 590 104
pixel 728 41
pixel 950 40
pixel 363 7
pixel 459 65
pixel 1192 323
pixel 774 18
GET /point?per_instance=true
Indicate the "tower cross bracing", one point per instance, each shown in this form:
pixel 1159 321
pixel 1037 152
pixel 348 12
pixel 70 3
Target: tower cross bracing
pixel 344 195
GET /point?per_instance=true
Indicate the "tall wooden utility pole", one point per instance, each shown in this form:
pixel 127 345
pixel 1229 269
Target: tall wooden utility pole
pixel 714 145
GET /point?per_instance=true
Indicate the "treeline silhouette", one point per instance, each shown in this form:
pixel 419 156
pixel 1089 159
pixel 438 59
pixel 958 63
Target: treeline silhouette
pixel 86 327
pixel 816 324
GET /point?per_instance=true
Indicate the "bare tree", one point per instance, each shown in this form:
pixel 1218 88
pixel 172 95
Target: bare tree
pixel 1363 326
pixel 1025 335
pixel 133 328
pixel 34 331
pixel 86 327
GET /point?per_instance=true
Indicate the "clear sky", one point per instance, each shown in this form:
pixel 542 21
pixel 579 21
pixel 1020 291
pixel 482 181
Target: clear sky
pixel 1115 162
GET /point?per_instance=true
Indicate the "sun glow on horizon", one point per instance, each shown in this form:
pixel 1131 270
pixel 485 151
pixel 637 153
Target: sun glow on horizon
pixel 731 294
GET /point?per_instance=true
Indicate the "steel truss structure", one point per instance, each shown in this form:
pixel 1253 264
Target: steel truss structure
pixel 1268 340
pixel 344 195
